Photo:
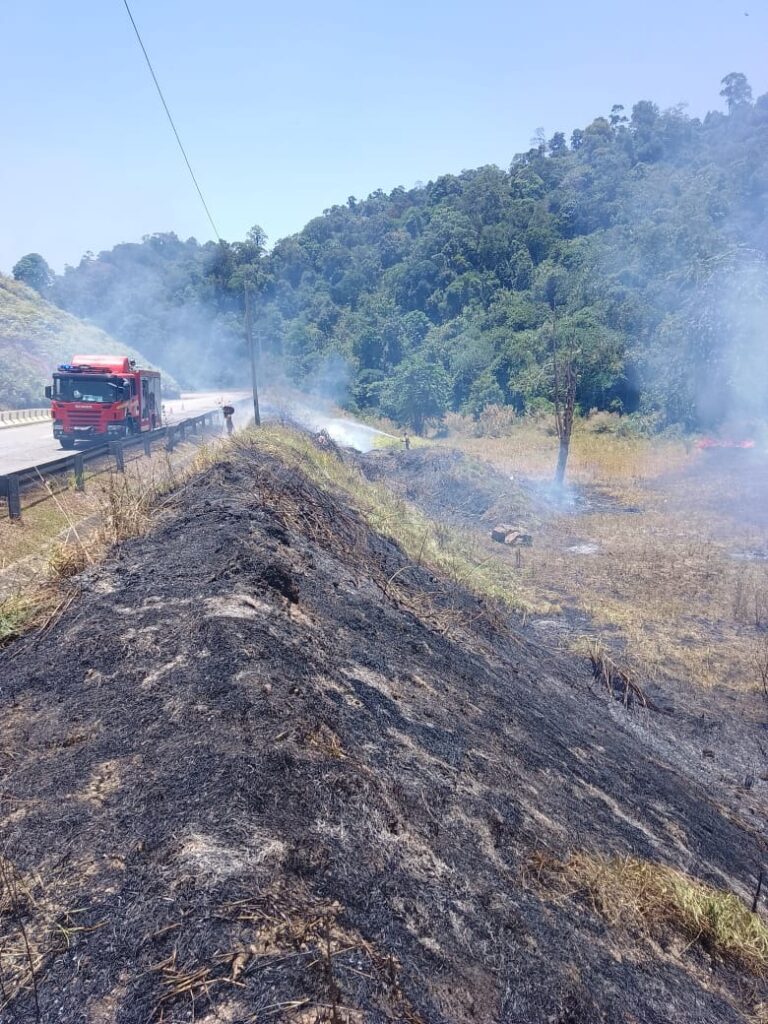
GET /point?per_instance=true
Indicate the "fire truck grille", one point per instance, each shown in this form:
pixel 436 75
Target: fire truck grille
pixel 84 417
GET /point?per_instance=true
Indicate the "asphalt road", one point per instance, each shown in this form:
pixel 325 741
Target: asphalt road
pixel 23 447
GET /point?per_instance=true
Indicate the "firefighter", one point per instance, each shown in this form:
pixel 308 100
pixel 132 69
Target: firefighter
pixel 406 440
pixel 152 409
pixel 229 412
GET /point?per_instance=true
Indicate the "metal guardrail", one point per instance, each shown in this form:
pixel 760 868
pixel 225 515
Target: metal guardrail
pixel 12 484
pixel 21 417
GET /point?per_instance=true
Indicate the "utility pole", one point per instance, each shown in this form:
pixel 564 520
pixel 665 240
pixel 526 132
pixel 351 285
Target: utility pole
pixel 251 351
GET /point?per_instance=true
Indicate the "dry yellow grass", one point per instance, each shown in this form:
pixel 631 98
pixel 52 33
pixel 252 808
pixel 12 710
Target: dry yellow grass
pixel 53 511
pixel 77 530
pixel 680 603
pixel 626 462
pixel 660 584
pixel 639 893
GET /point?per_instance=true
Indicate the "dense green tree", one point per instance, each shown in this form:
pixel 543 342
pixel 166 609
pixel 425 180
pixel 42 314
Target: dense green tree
pixel 418 390
pixel 485 391
pixel 557 145
pixel 736 91
pixel 33 270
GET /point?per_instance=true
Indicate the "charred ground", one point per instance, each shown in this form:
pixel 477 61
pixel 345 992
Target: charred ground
pixel 685 553
pixel 268 767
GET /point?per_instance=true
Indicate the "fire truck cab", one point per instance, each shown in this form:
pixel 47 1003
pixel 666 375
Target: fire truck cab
pixel 98 398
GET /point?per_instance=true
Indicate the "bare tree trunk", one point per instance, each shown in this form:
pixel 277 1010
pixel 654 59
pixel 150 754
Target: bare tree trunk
pixel 565 445
pixel 565 403
pixel 249 337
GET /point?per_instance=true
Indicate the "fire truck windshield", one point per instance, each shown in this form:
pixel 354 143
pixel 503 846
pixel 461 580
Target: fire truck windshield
pixel 88 389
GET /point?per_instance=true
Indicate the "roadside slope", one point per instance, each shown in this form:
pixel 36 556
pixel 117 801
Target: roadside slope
pixel 267 767
pixel 35 337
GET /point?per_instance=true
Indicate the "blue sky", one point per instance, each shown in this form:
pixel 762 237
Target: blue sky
pixel 288 108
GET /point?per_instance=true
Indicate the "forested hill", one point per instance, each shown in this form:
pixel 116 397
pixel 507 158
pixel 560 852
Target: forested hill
pixel 35 337
pixel 639 242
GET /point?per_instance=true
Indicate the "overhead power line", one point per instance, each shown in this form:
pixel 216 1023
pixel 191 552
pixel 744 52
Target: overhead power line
pixel 248 328
pixel 170 120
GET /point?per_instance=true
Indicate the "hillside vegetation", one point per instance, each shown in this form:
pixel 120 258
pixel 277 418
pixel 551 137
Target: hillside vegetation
pixel 35 336
pixel 639 242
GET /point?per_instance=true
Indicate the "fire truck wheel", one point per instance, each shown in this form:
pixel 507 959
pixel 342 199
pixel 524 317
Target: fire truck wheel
pixel 67 442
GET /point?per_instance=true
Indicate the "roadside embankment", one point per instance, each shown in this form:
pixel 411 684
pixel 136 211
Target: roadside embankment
pixel 271 761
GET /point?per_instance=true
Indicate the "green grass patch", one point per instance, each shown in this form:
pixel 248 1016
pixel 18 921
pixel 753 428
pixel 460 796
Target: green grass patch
pixel 18 613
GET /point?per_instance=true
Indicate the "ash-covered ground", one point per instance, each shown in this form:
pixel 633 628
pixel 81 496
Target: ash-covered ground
pixel 250 775
pixel 718 734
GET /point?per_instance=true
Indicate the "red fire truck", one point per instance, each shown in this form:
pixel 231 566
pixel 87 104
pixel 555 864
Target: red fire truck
pixel 98 398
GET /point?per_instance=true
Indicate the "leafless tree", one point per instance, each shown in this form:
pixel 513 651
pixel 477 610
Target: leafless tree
pixel 565 373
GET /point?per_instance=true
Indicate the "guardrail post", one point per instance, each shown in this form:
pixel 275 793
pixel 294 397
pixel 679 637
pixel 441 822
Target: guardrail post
pixel 79 471
pixel 194 426
pixel 116 447
pixel 171 439
pixel 183 431
pixel 147 445
pixel 14 498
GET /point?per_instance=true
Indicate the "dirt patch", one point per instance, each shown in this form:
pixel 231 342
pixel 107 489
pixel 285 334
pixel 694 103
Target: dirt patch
pixel 258 779
pixel 584 547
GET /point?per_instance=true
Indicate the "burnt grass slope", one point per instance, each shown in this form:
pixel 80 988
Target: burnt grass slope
pixel 258 771
pixel 717 735
pixel 447 484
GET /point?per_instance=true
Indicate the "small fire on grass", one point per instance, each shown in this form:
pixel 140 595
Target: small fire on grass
pixel 705 443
